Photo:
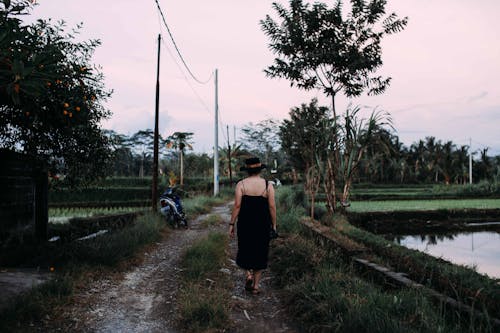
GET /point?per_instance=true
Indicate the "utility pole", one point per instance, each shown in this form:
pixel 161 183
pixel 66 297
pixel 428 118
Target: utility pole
pixel 470 160
pixel 216 141
pixel 154 193
pixel 229 157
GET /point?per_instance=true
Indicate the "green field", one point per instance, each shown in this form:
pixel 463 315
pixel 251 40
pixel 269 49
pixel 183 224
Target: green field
pixel 62 215
pixel 392 205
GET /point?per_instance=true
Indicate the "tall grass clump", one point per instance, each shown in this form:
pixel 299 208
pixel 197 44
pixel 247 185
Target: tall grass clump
pixel 204 295
pixel 483 188
pixel 201 204
pixel 290 208
pixel 324 294
pixel 109 249
pixel 204 257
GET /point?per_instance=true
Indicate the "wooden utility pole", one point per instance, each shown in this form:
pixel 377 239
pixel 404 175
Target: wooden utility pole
pixel 154 190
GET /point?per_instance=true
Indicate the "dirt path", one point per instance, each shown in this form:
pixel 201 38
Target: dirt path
pixel 261 313
pixel 144 298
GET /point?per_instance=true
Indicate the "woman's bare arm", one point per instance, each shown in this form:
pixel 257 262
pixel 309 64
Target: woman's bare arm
pixel 272 205
pixel 236 208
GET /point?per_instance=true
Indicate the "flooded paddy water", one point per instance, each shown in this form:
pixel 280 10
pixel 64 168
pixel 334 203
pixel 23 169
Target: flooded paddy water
pixel 477 248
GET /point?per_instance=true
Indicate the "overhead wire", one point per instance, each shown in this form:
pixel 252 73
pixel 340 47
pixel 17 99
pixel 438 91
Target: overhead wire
pixel 202 102
pixel 177 48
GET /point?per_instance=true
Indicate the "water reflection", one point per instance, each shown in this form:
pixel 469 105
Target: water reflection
pixel 480 249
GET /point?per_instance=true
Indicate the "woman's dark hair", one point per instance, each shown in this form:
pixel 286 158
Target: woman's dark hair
pixel 252 172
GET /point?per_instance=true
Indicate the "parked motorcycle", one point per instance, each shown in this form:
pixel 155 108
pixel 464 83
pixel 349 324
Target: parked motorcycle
pixel 171 208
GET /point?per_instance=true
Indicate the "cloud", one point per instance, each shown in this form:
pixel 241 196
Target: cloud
pixel 477 97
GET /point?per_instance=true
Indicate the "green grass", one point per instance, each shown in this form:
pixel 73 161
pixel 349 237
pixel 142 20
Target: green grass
pixel 289 209
pixel 456 281
pixel 392 205
pixel 32 306
pixel 113 247
pixel 193 206
pixel 211 220
pixel 204 295
pixel 481 188
pixel 75 259
pixel 62 215
pixel 204 257
pixel 99 194
pixel 71 261
pixel 324 294
pixel 201 204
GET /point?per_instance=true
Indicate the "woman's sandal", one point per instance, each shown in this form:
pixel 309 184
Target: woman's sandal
pixel 249 283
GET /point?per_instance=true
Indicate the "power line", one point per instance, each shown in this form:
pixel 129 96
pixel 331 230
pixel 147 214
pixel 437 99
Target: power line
pixel 202 102
pixel 177 49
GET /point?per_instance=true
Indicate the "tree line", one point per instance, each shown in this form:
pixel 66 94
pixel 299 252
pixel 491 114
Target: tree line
pixel 52 105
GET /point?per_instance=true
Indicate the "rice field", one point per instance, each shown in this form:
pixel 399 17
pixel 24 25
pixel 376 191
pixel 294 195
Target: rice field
pixel 63 215
pixel 392 205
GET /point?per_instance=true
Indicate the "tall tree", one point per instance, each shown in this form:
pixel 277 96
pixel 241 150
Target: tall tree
pixel 318 47
pixel 51 95
pixel 142 143
pixel 262 138
pixel 180 141
pixel 302 135
pixel 229 158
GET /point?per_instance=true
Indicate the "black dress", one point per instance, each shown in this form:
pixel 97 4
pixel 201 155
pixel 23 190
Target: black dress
pixel 254 223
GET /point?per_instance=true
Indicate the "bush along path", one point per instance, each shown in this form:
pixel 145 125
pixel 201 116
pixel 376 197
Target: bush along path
pixel 146 297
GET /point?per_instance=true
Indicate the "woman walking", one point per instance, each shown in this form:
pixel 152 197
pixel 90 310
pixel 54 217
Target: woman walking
pixel 255 211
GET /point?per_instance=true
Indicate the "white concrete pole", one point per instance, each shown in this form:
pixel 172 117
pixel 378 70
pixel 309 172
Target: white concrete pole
pixel 470 160
pixel 216 137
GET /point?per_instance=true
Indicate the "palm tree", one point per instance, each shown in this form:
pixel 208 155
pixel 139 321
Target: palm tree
pixel 417 153
pixel 142 141
pixel 447 161
pixel 229 156
pixel 461 159
pixel 180 141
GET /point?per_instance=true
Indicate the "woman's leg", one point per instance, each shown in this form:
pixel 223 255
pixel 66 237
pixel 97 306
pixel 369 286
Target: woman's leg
pixel 256 279
pixel 249 280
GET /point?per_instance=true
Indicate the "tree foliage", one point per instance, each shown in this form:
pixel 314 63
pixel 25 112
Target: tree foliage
pixel 318 47
pixel 180 141
pixel 302 136
pixel 262 138
pixel 51 94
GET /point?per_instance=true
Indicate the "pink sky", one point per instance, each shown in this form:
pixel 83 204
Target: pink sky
pixel 445 67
